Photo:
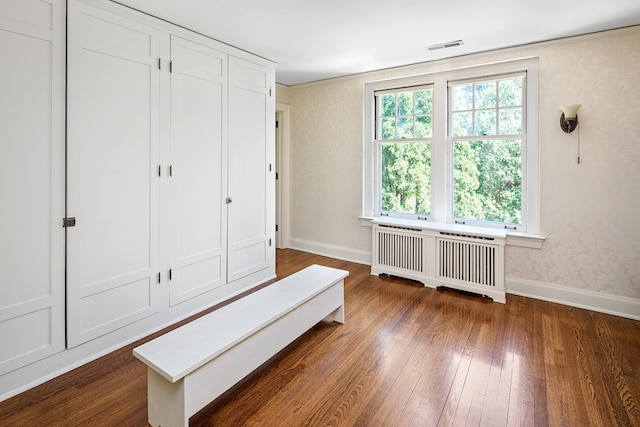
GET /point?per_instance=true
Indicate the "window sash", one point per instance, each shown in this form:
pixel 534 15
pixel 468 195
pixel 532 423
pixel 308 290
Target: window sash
pixel 497 108
pixel 425 194
pixel 454 217
pixel 412 117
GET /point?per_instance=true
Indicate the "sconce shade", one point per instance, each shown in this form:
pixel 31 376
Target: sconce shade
pixel 570 111
pixel 569 117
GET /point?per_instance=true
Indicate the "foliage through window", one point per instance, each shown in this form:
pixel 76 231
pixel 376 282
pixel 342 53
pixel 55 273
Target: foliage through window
pixel 404 132
pixel 487 132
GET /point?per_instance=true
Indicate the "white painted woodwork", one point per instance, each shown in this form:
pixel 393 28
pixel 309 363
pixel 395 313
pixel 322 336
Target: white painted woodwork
pixel 198 169
pixel 32 181
pixel 128 121
pixel 192 365
pixel 251 156
pixel 112 172
pixel 440 254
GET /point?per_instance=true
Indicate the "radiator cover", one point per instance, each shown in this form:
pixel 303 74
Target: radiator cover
pixel 459 257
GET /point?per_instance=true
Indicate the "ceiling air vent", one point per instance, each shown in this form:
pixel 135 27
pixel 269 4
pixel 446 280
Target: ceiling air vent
pixel 445 45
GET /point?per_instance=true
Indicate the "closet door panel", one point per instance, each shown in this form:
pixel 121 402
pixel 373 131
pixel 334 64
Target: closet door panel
pixel 112 172
pixel 251 179
pixel 198 117
pixel 31 181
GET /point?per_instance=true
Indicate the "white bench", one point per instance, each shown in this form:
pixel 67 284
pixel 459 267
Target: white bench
pixel 189 367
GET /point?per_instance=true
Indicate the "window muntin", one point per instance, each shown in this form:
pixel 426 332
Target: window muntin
pixel 487 107
pixel 404 128
pixel 405 114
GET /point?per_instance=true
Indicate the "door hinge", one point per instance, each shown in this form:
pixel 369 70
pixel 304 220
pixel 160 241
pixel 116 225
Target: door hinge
pixel 159 63
pixel 160 170
pixel 159 278
pixel 269 242
pixel 277 175
pixel 276 227
pixel 269 167
pixel 171 66
pixel 270 92
pixel 170 170
pixel 69 222
pixel 277 124
pixel 170 274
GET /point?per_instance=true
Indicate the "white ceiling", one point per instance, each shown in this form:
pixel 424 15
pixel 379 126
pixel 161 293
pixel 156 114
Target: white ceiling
pixel 319 39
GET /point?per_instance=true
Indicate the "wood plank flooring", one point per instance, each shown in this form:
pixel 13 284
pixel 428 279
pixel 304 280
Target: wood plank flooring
pixel 406 356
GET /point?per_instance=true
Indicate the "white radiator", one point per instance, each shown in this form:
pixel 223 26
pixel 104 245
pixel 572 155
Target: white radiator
pixel 400 251
pixel 465 258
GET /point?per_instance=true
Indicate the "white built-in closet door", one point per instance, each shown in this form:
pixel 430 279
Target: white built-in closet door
pixel 31 181
pixel 198 129
pixel 251 168
pixel 112 171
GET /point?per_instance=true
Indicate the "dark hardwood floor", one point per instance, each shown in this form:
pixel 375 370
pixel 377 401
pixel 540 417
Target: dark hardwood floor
pixel 406 356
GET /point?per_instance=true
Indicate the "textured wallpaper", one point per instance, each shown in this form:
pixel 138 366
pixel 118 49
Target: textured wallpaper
pixel 589 211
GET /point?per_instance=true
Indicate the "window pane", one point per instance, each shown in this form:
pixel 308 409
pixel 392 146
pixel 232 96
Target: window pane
pixel 510 92
pixel 388 105
pixel 485 95
pixel 405 115
pixel 405 103
pixel 462 124
pixel 488 180
pixel 424 127
pixel 462 97
pixel 511 121
pixel 424 102
pixel 405 127
pixel 406 178
pixel 388 128
pixel 485 122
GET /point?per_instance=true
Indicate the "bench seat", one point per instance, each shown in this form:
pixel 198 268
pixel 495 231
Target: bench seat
pixel 192 365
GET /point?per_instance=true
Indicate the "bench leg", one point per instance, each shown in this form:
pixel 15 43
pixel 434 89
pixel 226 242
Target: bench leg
pixel 337 315
pixel 166 401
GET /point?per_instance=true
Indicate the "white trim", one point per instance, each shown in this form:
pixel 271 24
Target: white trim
pixel 514 238
pixel 440 146
pixel 332 251
pixel 524 240
pixel 595 301
pixel 283 177
pixel 588 300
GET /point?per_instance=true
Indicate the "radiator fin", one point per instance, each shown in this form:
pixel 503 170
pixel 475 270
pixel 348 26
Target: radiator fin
pixel 468 262
pixel 401 251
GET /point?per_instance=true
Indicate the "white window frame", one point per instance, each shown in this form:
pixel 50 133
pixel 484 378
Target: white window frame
pixel 441 154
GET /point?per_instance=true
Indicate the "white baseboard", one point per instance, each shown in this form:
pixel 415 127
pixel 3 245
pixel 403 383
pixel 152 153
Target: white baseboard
pixel 595 301
pixel 332 251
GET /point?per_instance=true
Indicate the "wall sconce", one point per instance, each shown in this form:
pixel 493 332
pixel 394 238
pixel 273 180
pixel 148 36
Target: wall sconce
pixel 569 117
pixel 569 121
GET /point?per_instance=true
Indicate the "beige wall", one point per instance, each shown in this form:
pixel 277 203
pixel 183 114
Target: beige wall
pixel 282 94
pixel 589 211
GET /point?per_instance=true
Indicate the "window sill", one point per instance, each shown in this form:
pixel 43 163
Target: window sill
pixel 514 238
pixel 365 221
pixel 524 240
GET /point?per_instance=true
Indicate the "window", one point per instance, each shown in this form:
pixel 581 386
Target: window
pixel 486 128
pixel 404 127
pixel 457 146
